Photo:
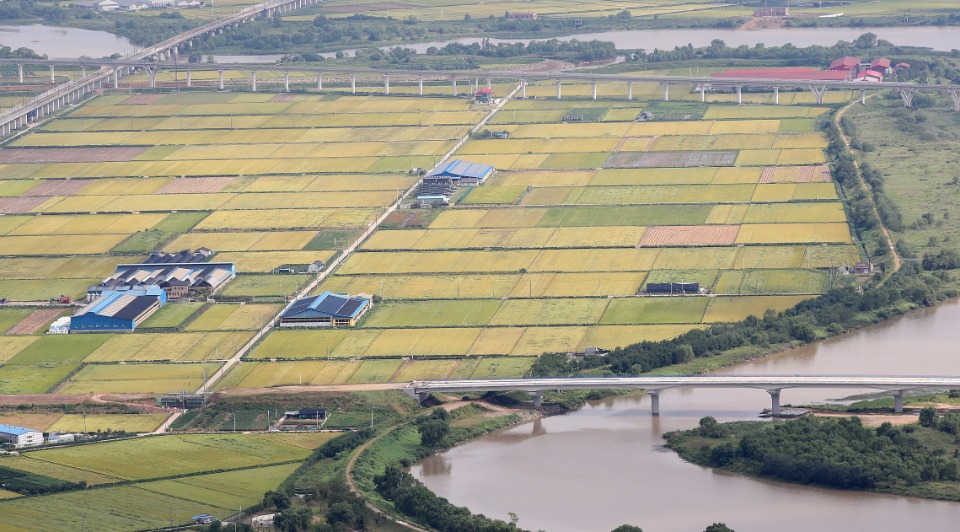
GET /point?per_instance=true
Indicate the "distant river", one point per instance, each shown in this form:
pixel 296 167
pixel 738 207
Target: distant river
pixel 61 42
pixel 605 465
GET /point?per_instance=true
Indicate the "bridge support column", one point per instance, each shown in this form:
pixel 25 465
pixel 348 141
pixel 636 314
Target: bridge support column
pixel 594 90
pixel 353 84
pixel 253 81
pixel 774 402
pixel 907 96
pixel 666 92
pixel 703 93
pixel 152 72
pixel 953 94
pixel 537 399
pixel 189 78
pixel 863 97
pixel 559 90
pixel 740 94
pixel 319 82
pixel 20 73
pixel 776 95
pixel 83 71
pixel 420 85
pixel 898 401
pixel 220 77
pixel 286 82
pixel 818 92
pixel 455 87
pixel 654 402
pixel 490 83
pixel 53 75
pixel 629 90
pixel 386 85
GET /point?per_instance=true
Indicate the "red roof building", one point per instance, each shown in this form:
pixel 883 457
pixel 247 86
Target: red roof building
pixel 881 64
pixel 801 73
pixel 844 63
pixel 903 65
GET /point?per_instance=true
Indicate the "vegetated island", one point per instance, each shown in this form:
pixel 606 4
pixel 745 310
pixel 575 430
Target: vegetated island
pixel 919 460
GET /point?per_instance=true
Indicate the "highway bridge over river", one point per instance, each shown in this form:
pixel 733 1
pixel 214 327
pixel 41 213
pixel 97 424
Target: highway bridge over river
pixel 772 384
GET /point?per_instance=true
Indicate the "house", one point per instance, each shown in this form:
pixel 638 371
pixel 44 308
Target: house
pixel 97 5
pixel 483 95
pixel 206 252
pixel 431 200
pixel 862 268
pixel 902 66
pixel 464 172
pixel 19 436
pixel 118 310
pixel 316 266
pixel 772 12
pixel 177 278
pixel 132 5
pixel 871 76
pixel 325 310
pixel 845 63
pixel 306 413
pixel 881 64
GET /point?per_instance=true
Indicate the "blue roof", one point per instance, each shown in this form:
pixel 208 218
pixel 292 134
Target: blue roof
pixel 327 304
pixel 109 297
pixel 458 169
pixel 16 431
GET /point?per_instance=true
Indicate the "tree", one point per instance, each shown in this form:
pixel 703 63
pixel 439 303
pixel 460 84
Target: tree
pixel 341 512
pixel 710 428
pixel 434 428
pixel 718 527
pixel 627 528
pixel 867 40
pixel 276 499
pixel 928 417
pixel 293 520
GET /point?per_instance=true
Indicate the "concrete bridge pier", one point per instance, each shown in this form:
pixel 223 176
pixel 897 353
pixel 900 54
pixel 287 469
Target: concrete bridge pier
pixel 220 77
pixel 956 100
pixel 897 401
pixel 286 81
pixel 774 402
pixel 594 90
pixel 116 79
pixel 455 87
pixel 740 94
pixel 776 95
pixel 523 88
pixel 863 97
pixel 490 83
pixel 20 73
pixel 420 85
pixel 818 92
pixel 253 81
pixel 559 90
pixel 666 92
pixel 152 73
pixel 907 96
pixel 537 399
pixel 353 84
pixel 319 82
pixel 629 90
pixel 386 85
pixel 53 74
pixel 189 78
pixel 654 402
pixel 703 93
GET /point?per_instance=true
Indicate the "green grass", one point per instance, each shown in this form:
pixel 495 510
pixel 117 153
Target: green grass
pixel 330 240
pixel 625 215
pixel 166 229
pixel 171 315
pixel 11 316
pixel 495 368
pixel 375 371
pixel 662 110
pixel 437 313
pixel 265 285
pixel 666 309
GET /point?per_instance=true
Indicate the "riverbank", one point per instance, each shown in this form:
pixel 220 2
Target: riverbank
pixel 838 453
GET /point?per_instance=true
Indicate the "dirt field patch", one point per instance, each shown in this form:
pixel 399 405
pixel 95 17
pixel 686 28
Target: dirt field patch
pixel 195 185
pixel 71 155
pixel 283 98
pixel 58 187
pixel 33 322
pixel 690 235
pixel 796 174
pixel 18 205
pixel 682 159
pixel 142 99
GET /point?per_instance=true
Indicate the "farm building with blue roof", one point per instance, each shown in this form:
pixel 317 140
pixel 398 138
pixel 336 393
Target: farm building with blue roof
pixel 464 173
pixel 119 310
pixel 19 436
pixel 325 310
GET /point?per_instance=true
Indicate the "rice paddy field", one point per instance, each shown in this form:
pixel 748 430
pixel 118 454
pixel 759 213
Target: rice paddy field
pixel 552 254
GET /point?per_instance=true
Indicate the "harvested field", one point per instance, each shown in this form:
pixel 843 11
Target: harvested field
pixel 690 235
pixel 796 174
pixel 740 307
pixel 33 322
pixel 70 155
pixel 195 185
pixel 142 99
pixel 671 159
pixel 19 205
pixel 58 187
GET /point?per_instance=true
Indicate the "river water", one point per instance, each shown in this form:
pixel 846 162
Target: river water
pixel 61 42
pixel 605 465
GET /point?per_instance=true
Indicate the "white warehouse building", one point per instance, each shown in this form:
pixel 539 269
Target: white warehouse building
pixel 19 436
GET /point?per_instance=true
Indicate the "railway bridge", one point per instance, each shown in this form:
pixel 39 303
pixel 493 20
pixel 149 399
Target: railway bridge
pixel 653 386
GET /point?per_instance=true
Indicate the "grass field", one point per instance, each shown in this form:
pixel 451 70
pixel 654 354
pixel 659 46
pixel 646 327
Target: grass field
pixel 139 378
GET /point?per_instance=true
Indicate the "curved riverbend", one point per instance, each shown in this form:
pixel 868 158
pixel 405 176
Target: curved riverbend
pixel 605 465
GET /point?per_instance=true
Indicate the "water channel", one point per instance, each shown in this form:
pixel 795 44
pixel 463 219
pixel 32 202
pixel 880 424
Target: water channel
pixel 605 465
pixel 62 42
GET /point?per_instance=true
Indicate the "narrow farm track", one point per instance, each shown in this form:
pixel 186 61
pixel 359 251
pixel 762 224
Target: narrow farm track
pixel 247 347
pixel 846 142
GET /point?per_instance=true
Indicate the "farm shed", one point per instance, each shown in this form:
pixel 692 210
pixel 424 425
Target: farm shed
pixel 306 413
pixel 20 436
pixel 483 95
pixel 464 172
pixel 119 310
pixel 845 63
pixel 325 310
pixel 209 276
pixel 673 288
